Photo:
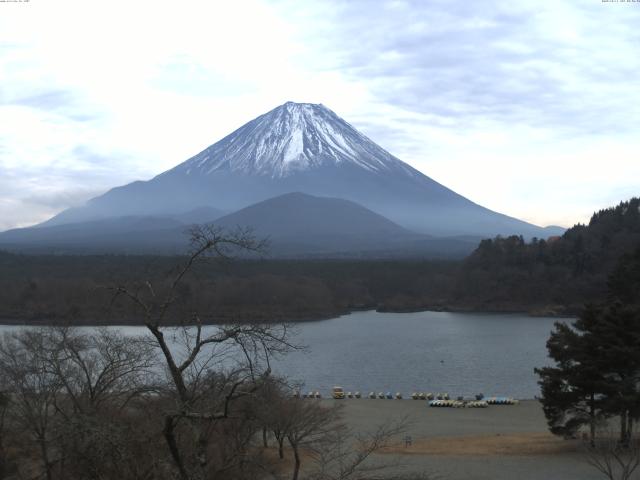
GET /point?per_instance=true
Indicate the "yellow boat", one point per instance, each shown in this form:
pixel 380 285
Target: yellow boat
pixel 338 393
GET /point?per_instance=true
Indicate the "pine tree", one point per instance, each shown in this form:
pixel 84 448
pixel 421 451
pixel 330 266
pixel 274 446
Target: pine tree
pixel 597 372
pixel 572 391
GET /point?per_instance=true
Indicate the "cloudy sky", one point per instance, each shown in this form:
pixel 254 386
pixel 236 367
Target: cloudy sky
pixel 531 108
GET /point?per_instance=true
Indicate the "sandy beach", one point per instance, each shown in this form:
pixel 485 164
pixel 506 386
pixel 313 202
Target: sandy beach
pixel 498 442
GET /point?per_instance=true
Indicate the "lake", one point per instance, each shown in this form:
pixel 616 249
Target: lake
pixel 457 353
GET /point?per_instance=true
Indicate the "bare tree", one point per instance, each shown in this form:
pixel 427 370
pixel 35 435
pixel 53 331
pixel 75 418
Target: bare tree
pixel 308 425
pixel 100 374
pixel 111 444
pixel 209 369
pixel 344 454
pixel 269 409
pixel 67 392
pixel 31 390
pixel 105 367
pixel 614 459
pixel 273 406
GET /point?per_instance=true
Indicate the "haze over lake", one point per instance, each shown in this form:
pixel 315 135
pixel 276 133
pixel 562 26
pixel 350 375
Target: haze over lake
pixel 457 353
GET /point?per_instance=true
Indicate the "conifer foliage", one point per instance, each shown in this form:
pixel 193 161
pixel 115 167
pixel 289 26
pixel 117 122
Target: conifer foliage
pixel 597 371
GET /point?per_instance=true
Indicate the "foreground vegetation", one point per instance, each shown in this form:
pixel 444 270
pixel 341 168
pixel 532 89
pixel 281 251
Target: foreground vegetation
pixel 182 402
pixel 101 406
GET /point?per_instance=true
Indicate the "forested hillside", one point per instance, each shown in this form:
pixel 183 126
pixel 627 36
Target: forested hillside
pixel 555 275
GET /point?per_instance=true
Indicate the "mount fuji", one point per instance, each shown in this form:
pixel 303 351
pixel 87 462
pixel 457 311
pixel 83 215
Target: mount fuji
pixel 306 148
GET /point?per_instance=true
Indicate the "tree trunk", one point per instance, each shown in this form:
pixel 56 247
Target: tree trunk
pixel 173 447
pixel 3 459
pixel 265 444
pixel 175 372
pixel 281 448
pixel 296 466
pixel 624 438
pixel 592 421
pixel 201 448
pixel 45 458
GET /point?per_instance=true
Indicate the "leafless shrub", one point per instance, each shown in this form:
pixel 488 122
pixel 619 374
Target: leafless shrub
pixel 344 454
pixel 612 458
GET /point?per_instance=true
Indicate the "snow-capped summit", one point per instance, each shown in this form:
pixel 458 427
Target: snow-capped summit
pixel 290 138
pixel 302 147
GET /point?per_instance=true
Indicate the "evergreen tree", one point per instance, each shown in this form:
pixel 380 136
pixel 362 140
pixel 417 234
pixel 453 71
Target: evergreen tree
pixel 618 331
pixel 597 372
pixel 572 390
pixel 624 282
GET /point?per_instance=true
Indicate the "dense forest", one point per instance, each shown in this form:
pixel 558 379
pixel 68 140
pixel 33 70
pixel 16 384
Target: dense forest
pixel 544 276
pixel 75 289
pixel 557 275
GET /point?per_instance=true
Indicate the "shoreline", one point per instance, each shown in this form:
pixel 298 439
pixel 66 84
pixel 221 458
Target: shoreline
pixel 314 318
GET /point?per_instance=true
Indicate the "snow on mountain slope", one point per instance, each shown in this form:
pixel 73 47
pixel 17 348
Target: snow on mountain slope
pixel 291 138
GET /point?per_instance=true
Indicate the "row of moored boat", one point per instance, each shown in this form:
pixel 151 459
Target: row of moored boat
pixel 434 399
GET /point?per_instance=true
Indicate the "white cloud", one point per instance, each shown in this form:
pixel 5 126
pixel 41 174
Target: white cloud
pixel 530 109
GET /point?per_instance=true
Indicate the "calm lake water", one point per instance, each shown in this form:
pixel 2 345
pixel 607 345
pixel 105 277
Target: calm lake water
pixel 461 354
pixel 457 353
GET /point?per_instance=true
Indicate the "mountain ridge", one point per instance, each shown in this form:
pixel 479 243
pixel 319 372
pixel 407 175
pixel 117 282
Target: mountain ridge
pixel 303 148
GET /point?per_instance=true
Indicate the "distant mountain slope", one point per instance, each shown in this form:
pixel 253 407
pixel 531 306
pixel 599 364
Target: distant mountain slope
pixel 131 234
pixel 297 225
pixel 303 148
pixel 298 214
pixel 203 214
pixel 135 234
